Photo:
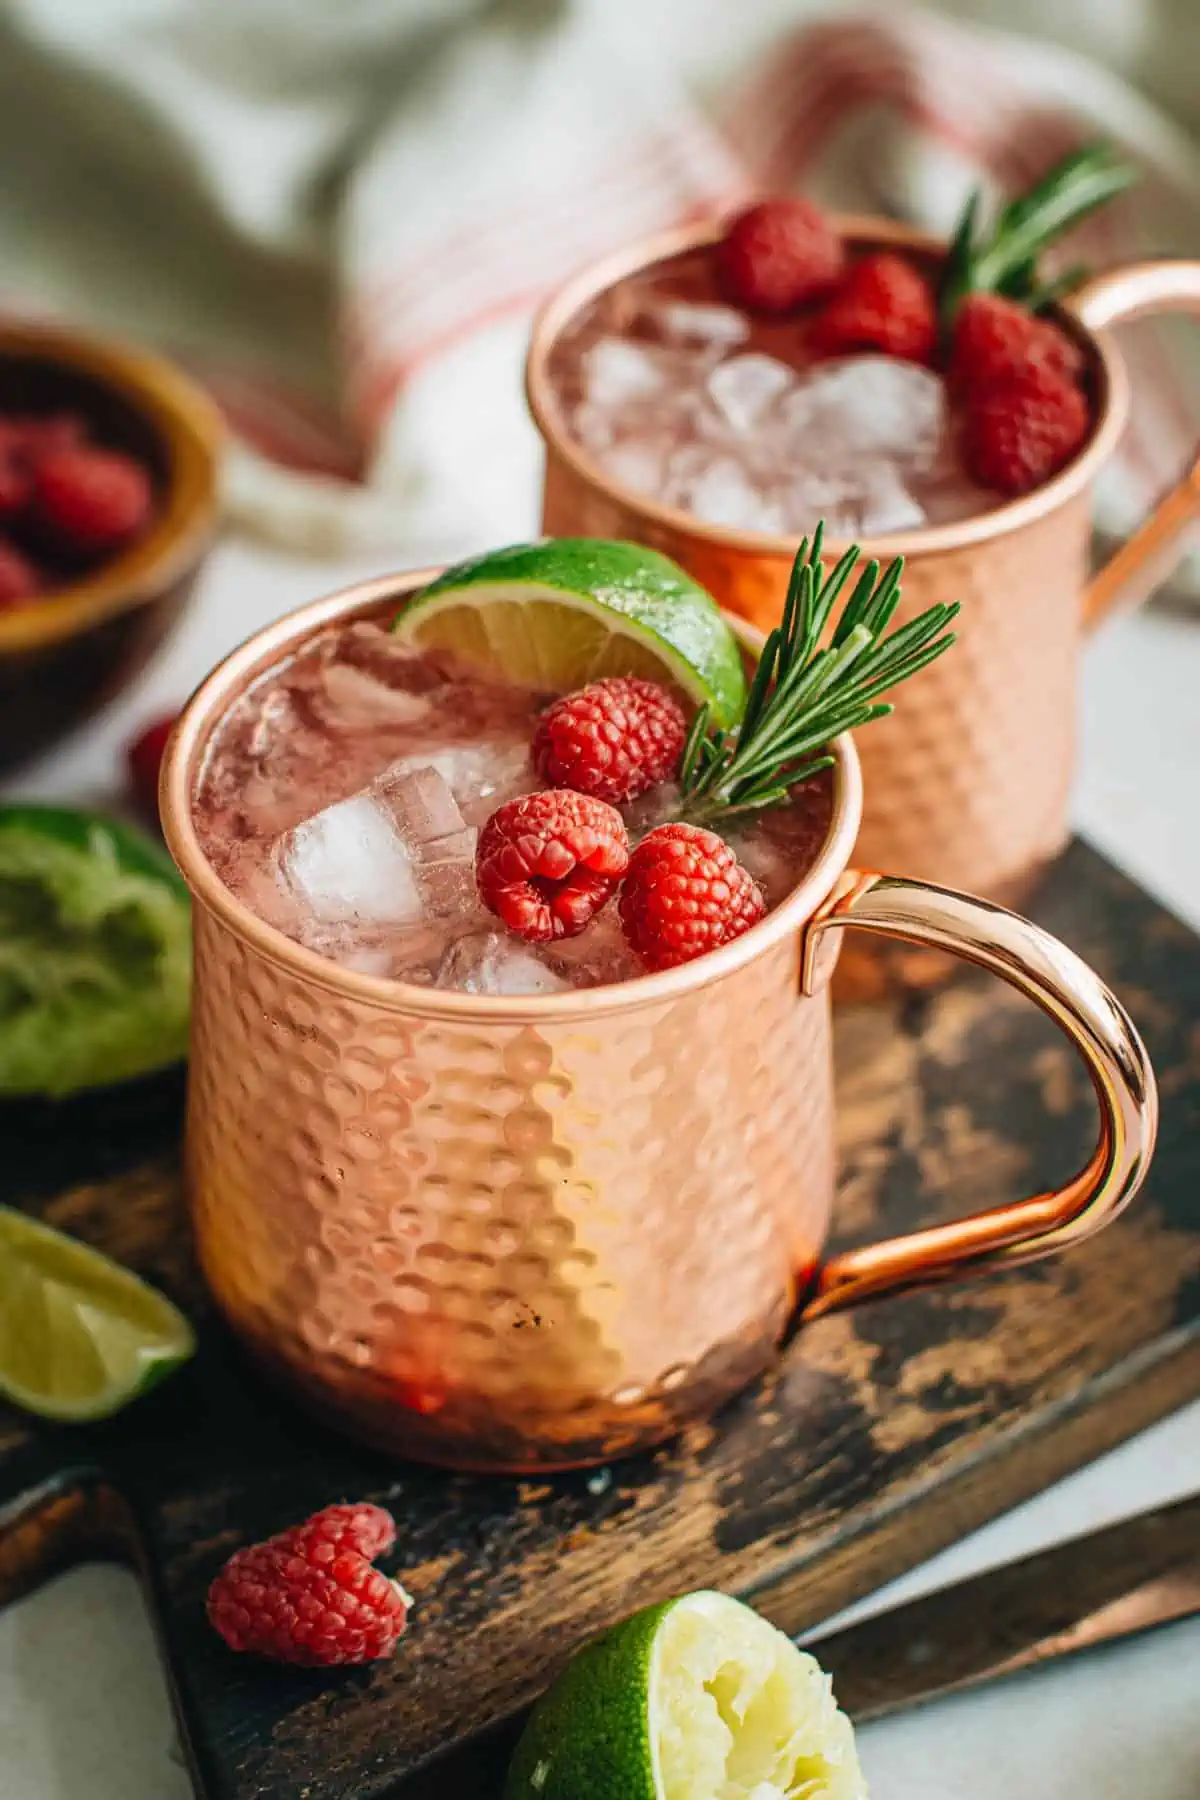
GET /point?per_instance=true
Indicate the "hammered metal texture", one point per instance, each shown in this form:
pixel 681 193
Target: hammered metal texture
pixel 967 783
pixel 513 1246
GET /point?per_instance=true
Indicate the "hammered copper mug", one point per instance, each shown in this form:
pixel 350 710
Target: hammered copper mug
pixel 534 1233
pixel 968 782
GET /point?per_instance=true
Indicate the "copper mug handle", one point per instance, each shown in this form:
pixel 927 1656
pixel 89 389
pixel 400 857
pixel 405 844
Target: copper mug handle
pixel 1146 558
pixel 1074 996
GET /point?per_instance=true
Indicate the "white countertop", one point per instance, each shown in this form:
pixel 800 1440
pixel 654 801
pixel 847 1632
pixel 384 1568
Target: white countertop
pixel 83 1707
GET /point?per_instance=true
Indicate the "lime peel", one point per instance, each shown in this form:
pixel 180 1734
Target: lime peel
pixel 559 614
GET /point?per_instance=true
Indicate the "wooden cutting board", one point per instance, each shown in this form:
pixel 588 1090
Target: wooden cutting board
pixel 882 1436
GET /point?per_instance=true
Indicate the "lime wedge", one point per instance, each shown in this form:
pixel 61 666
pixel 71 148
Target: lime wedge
pixel 79 1335
pixel 698 1699
pixel 95 952
pixel 563 613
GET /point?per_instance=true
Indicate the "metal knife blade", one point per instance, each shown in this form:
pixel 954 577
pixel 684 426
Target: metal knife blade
pixel 1127 1578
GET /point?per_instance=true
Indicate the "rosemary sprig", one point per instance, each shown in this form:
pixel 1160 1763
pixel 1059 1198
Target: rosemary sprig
pixel 1003 259
pixel 803 695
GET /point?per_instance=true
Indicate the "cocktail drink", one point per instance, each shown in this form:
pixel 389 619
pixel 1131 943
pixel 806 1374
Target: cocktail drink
pixel 710 391
pixel 510 1132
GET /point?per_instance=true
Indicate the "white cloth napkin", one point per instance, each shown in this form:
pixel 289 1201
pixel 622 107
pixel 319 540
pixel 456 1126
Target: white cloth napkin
pixel 343 217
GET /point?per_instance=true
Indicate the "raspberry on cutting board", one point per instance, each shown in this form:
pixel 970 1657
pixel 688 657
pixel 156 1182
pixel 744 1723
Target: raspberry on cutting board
pixel 310 1595
pixel 1019 432
pixel 885 304
pixel 613 739
pixel 777 254
pixel 546 863
pixel 686 893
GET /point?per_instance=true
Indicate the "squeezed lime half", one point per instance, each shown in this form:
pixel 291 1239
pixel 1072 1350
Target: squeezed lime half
pixel 95 952
pixel 697 1699
pixel 560 614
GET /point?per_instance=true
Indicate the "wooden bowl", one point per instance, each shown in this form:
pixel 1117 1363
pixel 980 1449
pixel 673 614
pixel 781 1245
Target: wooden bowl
pixel 63 655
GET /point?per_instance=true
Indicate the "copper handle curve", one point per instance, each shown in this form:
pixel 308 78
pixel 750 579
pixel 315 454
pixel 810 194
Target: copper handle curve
pixel 1165 284
pixel 1074 996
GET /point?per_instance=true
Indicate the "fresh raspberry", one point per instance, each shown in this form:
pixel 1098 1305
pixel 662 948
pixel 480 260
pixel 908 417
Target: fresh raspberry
pixel 685 893
pixel 29 436
pixel 994 339
pixel 778 253
pixel 310 1596
pixel 884 304
pixel 90 501
pixel 613 739
pixel 1018 432
pixel 548 862
pixel 143 759
pixel 19 580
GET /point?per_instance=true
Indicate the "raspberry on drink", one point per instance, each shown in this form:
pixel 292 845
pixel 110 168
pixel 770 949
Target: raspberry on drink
pixel 686 893
pixel 88 502
pixel 1020 431
pixel 884 304
pixel 310 1595
pixel 779 253
pixel 995 339
pixel 613 739
pixel 548 862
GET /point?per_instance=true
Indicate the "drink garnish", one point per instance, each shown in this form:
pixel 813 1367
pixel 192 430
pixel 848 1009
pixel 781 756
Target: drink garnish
pixel 1003 260
pixel 803 694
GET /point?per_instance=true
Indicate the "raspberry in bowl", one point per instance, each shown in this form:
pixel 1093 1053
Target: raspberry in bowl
pixel 108 485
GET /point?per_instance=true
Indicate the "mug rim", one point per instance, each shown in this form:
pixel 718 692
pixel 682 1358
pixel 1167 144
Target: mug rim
pixel 561 307
pixel 236 673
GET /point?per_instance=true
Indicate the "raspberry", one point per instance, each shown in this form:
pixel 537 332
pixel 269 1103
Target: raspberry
pixel 16 484
pixel 685 893
pixel 884 304
pixel 548 862
pixel 777 254
pixel 29 436
pixel 613 739
pixel 19 580
pixel 143 759
pixel 1018 432
pixel 995 339
pixel 90 501
pixel 310 1596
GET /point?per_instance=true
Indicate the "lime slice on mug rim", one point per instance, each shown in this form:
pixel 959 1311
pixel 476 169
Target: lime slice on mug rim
pixel 556 615
pixel 80 1336
pixel 95 952
pixel 697 1699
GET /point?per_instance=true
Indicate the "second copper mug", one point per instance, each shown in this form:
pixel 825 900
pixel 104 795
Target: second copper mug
pixel 968 782
pixel 534 1233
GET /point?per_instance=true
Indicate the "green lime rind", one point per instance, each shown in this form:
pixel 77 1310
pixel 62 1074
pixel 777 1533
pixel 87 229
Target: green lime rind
pixel 590 1735
pixel 80 1336
pixel 647 594
pixel 95 953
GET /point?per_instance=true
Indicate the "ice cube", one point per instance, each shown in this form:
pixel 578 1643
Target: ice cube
pixel 489 962
pixel 439 842
pixel 480 775
pixel 863 407
pixel 680 321
pixel 640 465
pixel 885 503
pixel 351 699
pixel 350 862
pixel 716 487
pixel 743 388
pixel 597 957
pixel 616 371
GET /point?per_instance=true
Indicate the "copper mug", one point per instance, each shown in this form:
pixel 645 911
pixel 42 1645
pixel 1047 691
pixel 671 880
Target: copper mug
pixel 537 1233
pixel 968 782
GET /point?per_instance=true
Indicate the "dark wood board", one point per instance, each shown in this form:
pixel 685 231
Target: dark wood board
pixel 883 1435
